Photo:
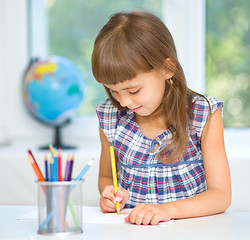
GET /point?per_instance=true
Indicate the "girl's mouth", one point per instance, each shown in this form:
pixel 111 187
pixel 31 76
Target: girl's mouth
pixel 136 109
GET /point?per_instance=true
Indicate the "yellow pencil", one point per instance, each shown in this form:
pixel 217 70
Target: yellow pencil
pixel 112 154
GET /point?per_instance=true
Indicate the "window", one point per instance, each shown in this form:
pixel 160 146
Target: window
pixel 227 58
pixel 72 28
pixel 187 27
pixel 227 74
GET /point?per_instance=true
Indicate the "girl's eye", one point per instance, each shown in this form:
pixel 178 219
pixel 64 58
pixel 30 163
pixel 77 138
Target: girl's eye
pixel 113 92
pixel 134 92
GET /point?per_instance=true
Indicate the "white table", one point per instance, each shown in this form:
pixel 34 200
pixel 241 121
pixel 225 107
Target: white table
pixel 229 225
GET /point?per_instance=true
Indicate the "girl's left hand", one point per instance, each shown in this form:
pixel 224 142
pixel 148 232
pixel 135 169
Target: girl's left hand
pixel 149 214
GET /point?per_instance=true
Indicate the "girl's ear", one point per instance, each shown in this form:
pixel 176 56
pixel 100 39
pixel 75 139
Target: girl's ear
pixel 169 68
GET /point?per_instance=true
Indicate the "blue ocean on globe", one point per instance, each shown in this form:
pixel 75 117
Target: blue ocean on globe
pixel 53 90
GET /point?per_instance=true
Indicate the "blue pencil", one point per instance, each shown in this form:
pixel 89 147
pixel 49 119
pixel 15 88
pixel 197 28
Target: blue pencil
pixel 82 173
pixel 55 165
pixel 85 169
pixel 52 177
pixel 46 168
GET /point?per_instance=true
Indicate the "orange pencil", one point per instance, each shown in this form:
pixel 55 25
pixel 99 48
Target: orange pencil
pixel 35 167
pixel 31 154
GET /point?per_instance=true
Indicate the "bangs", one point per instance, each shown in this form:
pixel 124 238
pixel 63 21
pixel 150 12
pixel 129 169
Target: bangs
pixel 130 44
pixel 118 59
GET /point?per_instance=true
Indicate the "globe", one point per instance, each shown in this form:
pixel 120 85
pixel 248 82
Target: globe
pixel 53 90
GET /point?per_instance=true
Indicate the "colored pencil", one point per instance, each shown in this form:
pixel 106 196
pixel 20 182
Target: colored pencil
pixel 35 167
pixel 55 156
pixel 84 170
pixel 71 167
pixel 46 167
pixel 67 169
pixel 52 172
pixel 59 165
pixel 51 148
pixel 113 165
pixel 29 152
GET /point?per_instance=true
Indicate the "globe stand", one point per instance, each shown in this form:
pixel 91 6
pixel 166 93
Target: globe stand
pixel 58 141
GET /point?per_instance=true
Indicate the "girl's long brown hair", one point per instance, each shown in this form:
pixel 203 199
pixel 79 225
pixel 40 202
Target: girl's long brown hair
pixel 139 42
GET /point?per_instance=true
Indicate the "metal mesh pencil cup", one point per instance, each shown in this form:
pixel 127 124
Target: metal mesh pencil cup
pixel 60 208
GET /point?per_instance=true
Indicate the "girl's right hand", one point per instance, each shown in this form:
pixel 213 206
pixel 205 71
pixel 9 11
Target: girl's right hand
pixel 108 199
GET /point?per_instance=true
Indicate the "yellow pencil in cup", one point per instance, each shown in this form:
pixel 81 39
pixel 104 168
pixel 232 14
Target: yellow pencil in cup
pixel 113 165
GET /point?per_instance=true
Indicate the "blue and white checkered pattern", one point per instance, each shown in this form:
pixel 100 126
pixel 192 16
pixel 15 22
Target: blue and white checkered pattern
pixel 147 179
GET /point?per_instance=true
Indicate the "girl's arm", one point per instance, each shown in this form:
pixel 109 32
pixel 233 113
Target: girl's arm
pixel 105 181
pixel 105 170
pixel 217 197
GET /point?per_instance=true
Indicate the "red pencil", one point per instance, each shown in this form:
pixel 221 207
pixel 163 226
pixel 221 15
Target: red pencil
pixel 59 165
pixel 35 167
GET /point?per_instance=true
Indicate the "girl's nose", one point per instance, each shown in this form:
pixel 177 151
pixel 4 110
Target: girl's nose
pixel 125 100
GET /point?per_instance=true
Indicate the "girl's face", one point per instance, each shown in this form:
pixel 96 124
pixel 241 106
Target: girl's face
pixel 142 94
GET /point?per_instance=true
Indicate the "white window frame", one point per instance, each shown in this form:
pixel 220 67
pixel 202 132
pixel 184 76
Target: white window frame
pixel 187 27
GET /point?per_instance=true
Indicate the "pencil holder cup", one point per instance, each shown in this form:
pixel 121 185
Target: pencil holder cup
pixel 60 208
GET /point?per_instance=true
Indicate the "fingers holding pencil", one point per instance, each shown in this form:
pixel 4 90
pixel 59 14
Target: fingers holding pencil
pixel 109 199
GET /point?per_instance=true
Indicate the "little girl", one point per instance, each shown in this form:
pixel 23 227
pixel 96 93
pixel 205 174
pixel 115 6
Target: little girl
pixel 168 140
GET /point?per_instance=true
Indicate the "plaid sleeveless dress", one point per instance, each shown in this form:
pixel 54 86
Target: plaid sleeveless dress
pixel 139 172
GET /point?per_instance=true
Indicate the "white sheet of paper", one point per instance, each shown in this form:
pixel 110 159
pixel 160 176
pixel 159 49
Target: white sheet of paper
pixel 31 216
pixel 92 215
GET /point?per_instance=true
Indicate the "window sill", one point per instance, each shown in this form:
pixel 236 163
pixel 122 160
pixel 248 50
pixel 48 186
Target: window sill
pixel 237 143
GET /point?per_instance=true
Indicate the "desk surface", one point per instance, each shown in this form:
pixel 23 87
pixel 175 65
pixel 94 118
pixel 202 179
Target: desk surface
pixel 229 225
